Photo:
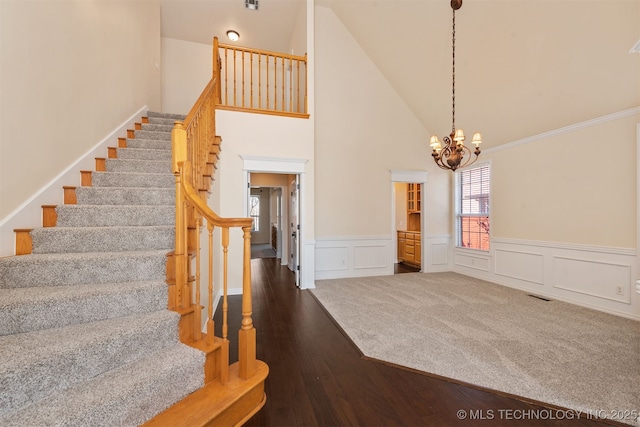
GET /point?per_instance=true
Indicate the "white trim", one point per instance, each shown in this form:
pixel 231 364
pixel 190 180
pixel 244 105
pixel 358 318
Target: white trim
pixel 409 176
pixel 273 164
pixel 571 128
pixel 567 246
pixel 282 165
pixel 29 213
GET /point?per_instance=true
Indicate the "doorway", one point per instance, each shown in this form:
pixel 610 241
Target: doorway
pixel 273 203
pixel 408 219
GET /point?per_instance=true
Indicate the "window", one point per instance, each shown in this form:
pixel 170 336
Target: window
pixel 254 212
pixel 472 208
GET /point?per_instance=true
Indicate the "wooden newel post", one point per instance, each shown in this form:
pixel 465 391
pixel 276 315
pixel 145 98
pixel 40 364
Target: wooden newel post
pixel 179 156
pixel 247 334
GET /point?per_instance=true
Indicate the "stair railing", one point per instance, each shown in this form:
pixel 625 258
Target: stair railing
pixel 194 153
pixel 261 81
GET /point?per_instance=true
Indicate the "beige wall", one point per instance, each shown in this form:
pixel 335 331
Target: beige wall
pixel 575 187
pixel 72 71
pixel 186 71
pixel 363 131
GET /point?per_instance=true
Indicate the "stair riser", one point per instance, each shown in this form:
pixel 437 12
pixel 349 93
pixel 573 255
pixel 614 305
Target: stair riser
pixel 132 179
pixel 124 196
pixel 41 375
pixel 155 114
pixel 148 166
pixel 157 127
pixel 113 216
pixel 147 134
pixel 139 154
pixel 96 239
pixel 162 121
pixel 149 144
pixel 51 309
pixel 21 272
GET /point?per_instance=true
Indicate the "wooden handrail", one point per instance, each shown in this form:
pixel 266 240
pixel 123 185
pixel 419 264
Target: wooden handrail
pixel 277 82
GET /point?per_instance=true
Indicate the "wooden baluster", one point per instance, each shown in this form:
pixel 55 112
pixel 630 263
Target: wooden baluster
pixel 298 90
pixel 267 78
pixel 290 84
pixel 247 333
pixel 226 78
pixel 224 375
pixel 210 325
pixel 242 79
pixel 282 106
pixel 306 83
pixel 275 83
pixel 259 80
pixel 197 322
pixel 251 80
pixel 235 78
pixel 225 271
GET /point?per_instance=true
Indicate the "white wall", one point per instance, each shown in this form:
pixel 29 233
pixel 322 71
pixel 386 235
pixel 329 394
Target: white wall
pixel 72 74
pixel 364 130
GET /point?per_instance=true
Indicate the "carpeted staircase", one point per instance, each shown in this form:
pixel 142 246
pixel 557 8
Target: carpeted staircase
pixel 85 336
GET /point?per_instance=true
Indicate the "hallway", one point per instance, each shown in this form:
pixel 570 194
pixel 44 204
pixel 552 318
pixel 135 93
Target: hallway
pixel 319 378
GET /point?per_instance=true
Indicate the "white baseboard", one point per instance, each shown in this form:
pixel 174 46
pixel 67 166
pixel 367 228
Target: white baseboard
pixel 29 214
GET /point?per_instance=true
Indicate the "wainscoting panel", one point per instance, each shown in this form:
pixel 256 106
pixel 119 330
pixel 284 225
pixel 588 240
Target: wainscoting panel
pixel 520 265
pixel 437 249
pixel 597 277
pixel 369 256
pixel 471 261
pixel 353 257
pixel 332 258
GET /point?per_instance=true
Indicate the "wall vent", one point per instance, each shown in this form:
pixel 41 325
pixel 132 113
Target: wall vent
pixel 539 297
pixel 251 4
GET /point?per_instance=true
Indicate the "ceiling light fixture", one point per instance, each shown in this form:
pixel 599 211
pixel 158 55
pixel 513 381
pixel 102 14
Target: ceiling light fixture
pixel 233 35
pixel 454 154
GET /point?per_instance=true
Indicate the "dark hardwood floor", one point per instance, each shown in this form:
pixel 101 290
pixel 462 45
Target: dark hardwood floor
pixel 317 377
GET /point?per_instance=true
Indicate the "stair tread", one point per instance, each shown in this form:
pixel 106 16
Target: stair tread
pixel 30 309
pixel 71 268
pixel 126 396
pixel 36 364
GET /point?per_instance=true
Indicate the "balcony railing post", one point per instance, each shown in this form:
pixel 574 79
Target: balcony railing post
pixel 247 334
pixel 179 155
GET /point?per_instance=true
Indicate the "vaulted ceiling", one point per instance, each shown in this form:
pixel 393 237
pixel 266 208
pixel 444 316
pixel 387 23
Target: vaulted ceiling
pixel 523 67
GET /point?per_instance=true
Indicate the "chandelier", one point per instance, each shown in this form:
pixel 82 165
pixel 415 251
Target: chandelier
pixel 454 154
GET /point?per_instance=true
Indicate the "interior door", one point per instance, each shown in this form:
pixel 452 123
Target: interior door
pixel 294 229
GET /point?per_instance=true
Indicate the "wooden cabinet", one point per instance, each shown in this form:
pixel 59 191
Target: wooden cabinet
pixel 410 247
pixel 413 198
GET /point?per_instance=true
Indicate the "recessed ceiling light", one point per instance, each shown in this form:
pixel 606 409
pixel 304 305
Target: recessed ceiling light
pixel 233 35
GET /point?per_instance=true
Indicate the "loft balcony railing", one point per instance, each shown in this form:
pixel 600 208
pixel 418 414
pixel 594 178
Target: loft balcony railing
pixel 261 81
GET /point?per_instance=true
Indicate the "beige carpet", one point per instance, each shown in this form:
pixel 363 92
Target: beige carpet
pixel 494 337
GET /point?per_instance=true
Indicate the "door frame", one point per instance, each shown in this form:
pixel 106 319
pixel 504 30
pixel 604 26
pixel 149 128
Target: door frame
pixel 415 177
pixel 254 164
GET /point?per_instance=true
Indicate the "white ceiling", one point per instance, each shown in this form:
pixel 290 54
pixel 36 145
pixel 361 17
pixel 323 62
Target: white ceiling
pixel 269 28
pixel 523 67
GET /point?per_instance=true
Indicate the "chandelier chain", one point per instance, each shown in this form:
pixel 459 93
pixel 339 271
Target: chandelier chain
pixel 453 74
